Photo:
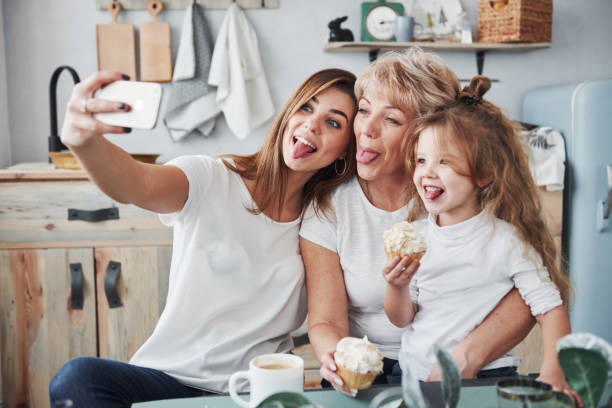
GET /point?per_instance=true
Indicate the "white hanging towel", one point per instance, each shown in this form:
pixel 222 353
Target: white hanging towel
pixel 236 69
pixel 192 104
pixel 547 158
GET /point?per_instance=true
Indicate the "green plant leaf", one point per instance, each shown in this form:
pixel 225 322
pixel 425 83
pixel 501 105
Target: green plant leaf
pixel 411 390
pixel 389 398
pixel 451 377
pixel 284 400
pixel 586 372
pixel 594 343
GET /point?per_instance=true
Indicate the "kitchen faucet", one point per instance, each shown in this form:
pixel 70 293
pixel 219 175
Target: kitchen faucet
pixel 55 144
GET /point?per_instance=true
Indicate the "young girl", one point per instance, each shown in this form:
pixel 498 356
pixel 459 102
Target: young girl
pixel 237 279
pixel 485 234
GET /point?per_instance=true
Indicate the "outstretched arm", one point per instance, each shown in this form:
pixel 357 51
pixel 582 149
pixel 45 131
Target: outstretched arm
pixel 327 307
pixel 505 327
pixel 157 188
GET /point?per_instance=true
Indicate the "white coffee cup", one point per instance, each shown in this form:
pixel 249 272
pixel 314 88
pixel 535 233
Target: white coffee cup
pixel 269 374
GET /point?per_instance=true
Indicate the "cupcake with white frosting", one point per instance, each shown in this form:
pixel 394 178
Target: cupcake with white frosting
pixel 402 240
pixel 358 362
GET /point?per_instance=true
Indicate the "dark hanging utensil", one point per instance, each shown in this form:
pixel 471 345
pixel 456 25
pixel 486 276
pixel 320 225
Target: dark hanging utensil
pixel 55 144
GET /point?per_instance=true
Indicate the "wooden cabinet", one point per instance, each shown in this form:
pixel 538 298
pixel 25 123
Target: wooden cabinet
pixel 40 330
pixel 142 288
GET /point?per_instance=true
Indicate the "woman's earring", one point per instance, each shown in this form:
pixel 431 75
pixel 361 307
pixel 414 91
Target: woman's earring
pixel 344 166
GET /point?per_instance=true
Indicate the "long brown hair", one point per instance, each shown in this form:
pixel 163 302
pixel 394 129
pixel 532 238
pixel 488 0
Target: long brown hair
pixel 496 153
pixel 267 166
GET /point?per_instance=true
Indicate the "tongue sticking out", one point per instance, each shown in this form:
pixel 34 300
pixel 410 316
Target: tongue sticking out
pixel 366 156
pixel 432 193
pixel 301 150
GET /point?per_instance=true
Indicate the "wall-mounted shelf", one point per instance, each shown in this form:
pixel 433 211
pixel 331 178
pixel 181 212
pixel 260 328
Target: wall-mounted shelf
pixel 182 4
pixel 480 48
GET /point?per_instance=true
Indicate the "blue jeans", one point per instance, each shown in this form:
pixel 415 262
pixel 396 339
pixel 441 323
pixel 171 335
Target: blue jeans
pixel 99 383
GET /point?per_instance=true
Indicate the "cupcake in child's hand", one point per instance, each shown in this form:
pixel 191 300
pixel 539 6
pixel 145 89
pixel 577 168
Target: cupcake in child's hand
pixel 358 362
pixel 403 240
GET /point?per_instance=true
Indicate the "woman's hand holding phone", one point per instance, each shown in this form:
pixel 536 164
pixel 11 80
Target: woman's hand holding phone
pixel 143 97
pixel 80 126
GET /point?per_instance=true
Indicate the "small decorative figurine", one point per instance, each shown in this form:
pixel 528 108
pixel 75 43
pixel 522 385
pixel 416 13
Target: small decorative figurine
pixel 336 33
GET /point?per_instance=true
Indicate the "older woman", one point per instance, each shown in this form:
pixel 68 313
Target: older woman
pixel 342 245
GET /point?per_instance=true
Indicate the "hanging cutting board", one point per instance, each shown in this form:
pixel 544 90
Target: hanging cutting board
pixel 116 49
pixel 155 49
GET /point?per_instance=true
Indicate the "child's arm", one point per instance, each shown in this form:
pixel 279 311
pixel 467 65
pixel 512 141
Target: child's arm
pixel 157 188
pixel 554 324
pixel 398 273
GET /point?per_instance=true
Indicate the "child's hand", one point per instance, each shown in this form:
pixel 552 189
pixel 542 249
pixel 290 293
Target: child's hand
pixel 399 271
pixel 556 379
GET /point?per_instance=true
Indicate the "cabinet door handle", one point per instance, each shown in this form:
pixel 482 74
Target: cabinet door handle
pixel 76 286
pixel 102 214
pixel 604 207
pixel 110 284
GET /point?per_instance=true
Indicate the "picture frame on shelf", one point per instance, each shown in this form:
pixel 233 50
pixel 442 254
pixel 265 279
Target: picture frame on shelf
pixel 439 18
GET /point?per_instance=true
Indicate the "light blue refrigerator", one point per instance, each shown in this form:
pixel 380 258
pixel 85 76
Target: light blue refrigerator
pixel 583 114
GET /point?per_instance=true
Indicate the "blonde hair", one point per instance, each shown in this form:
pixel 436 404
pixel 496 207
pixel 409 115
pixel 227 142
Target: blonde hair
pixel 267 166
pixel 414 80
pixel 495 153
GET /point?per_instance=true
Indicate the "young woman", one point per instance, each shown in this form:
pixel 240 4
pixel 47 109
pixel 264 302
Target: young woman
pixel 342 248
pixel 237 280
pixel 485 235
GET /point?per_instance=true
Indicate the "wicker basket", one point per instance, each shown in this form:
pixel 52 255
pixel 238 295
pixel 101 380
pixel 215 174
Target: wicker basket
pixel 514 21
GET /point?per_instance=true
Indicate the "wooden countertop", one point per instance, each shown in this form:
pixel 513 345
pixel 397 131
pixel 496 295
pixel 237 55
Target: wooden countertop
pixel 39 171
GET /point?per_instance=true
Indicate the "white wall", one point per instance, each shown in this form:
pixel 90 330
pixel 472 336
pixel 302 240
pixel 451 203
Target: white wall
pixel 46 34
pixel 5 136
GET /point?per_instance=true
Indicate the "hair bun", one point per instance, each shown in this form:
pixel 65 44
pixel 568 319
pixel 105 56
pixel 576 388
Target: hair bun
pixel 472 94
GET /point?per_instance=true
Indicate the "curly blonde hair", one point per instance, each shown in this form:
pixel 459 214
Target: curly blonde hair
pixel 495 152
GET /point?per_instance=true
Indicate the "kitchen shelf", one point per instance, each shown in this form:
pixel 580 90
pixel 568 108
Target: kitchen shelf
pixel 433 46
pixel 480 48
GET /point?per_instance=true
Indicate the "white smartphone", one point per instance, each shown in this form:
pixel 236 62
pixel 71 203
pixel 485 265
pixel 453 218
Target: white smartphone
pixel 143 97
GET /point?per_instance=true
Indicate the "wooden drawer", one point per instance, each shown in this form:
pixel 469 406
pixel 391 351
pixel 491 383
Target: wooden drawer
pixel 36 212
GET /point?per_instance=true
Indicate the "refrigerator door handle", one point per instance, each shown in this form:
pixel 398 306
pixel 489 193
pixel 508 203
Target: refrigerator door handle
pixel 609 203
pixel 603 207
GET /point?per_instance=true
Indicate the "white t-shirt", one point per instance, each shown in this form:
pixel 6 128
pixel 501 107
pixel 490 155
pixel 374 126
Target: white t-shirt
pixel 467 270
pixel 236 282
pixel 357 238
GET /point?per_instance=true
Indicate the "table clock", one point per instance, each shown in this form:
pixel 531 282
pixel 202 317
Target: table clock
pixel 377 19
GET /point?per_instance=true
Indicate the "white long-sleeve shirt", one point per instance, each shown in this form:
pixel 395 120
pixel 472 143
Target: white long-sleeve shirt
pixel 467 269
